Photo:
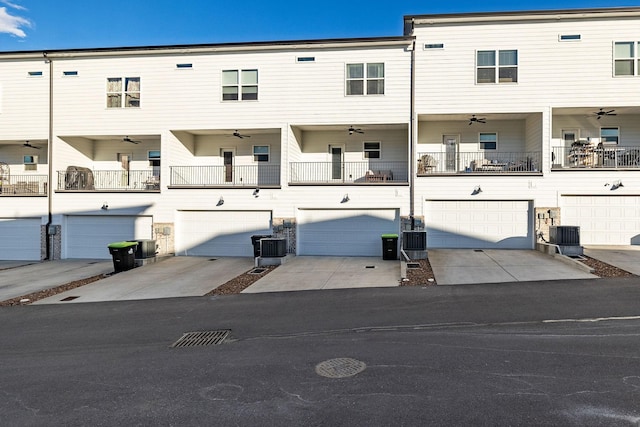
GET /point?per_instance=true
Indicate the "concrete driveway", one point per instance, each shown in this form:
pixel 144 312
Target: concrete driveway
pixel 467 266
pixel 624 257
pixel 325 272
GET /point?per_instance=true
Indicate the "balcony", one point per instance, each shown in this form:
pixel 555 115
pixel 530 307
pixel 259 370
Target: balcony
pixel 348 173
pixel 83 179
pixel 503 163
pixel 586 156
pixel 266 175
pixel 23 185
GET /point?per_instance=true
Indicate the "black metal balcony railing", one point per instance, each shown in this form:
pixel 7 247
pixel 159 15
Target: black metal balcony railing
pixel 262 175
pixel 348 172
pixel 23 185
pixel 83 179
pixel 589 156
pixel 479 162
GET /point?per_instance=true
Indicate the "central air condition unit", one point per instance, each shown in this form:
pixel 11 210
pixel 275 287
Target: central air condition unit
pixel 273 247
pixel 146 248
pixel 414 240
pixel 568 235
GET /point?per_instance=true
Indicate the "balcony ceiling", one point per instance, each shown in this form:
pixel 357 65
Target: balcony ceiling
pixel 34 141
pixel 345 127
pixel 244 131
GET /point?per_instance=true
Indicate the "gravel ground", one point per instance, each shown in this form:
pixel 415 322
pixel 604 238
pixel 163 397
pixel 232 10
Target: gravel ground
pixel 420 276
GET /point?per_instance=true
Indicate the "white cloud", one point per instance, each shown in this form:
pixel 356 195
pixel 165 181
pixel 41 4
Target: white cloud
pixel 13 5
pixel 11 24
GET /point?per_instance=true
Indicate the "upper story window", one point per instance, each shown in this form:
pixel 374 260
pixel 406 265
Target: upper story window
pixel 626 58
pixel 372 150
pixel 123 92
pixel 610 135
pixel 240 85
pixel 365 79
pixel 488 140
pixel 260 153
pixel 497 66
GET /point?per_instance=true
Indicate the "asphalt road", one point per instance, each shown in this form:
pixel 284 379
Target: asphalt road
pixel 549 353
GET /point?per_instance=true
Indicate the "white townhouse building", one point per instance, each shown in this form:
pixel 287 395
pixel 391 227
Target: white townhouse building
pixel 482 128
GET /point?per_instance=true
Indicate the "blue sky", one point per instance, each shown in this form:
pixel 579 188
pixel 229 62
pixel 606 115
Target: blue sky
pixel 70 24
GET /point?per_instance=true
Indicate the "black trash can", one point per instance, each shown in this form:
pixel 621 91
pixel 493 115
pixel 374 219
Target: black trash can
pixel 389 246
pixel 255 241
pixel 123 254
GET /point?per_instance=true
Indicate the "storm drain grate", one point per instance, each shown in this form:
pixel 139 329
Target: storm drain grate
pixel 369 266
pixel 478 250
pixel 257 271
pixel 69 298
pixel 342 367
pixel 202 338
pixel 413 265
pixel 213 259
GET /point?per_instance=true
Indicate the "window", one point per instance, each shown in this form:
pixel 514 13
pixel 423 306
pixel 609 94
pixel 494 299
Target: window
pixel 30 163
pixel 434 46
pixel 121 95
pixel 35 73
pixel 240 85
pixel 69 73
pixel 372 150
pixel 369 76
pixel 610 135
pixel 569 37
pixel 626 59
pixel 488 140
pixel 184 66
pixel 497 66
pixel 306 58
pixel 260 153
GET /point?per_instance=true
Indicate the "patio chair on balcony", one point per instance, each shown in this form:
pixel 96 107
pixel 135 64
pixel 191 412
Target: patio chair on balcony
pixel 426 164
pixel 378 175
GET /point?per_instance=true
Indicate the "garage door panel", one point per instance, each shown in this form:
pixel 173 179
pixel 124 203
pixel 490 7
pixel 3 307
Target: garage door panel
pixel 603 220
pixel 87 236
pixel 345 232
pixel 481 224
pixel 20 239
pixel 221 233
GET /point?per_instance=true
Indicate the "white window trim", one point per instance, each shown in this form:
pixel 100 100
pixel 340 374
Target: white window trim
pixel 365 78
pixel 496 67
pixel 610 127
pixel 239 85
pixel 123 93
pixel 365 151
pixel 268 154
pixel 480 142
pixel 635 59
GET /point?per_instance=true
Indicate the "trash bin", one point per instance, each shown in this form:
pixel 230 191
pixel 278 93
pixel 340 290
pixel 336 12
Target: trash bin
pixel 389 246
pixel 123 254
pixel 255 241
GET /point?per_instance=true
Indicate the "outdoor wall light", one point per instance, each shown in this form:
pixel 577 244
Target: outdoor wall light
pixel 616 184
pixel 476 190
pixel 345 198
pixel 105 206
pixel 220 202
pixel 256 192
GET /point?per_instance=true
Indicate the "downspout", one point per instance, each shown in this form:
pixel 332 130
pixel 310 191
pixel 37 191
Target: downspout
pixel 412 133
pixel 48 237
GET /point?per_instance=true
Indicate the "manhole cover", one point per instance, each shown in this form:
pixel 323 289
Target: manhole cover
pixel 257 271
pixel 202 338
pixel 413 265
pixel 342 367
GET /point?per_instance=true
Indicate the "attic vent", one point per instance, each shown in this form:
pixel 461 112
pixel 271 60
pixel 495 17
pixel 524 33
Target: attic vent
pixel 69 73
pixel 570 37
pixel 183 66
pixel 306 59
pixel 434 46
pixel 35 73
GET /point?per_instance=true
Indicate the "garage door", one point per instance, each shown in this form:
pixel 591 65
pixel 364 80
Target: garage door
pixel 479 224
pixel 345 232
pixel 228 233
pixel 20 239
pixel 87 236
pixel 603 220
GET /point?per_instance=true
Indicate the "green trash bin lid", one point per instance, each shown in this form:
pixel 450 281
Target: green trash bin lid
pixel 389 236
pixel 120 245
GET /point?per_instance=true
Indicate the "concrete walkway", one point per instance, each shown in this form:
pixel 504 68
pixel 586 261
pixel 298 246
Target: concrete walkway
pixel 23 278
pixel 467 266
pixel 624 257
pixel 172 277
pixel 326 272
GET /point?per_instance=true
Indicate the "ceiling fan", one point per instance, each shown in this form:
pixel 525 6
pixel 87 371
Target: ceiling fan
pixel 132 141
pixel 602 112
pixel 476 120
pixel 353 130
pixel 27 144
pixel 239 135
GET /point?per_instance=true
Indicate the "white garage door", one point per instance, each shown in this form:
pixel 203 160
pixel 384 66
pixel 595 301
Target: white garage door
pixel 87 236
pixel 345 232
pixel 603 220
pixel 479 224
pixel 223 233
pixel 20 239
